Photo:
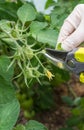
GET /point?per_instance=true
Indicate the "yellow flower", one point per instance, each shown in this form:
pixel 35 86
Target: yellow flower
pixel 49 74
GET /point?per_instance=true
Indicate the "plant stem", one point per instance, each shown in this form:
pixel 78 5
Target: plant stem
pixel 71 90
pixel 39 61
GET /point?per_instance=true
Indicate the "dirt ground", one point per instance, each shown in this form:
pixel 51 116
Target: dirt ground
pixel 54 120
pixel 56 117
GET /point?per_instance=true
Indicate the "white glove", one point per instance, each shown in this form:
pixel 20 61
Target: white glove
pixel 72 32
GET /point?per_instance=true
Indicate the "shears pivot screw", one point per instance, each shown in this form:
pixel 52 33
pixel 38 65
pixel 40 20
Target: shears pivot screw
pixel 71 63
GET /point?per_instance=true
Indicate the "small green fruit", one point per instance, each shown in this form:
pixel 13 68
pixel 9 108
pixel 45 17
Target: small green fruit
pixel 28 114
pixel 27 104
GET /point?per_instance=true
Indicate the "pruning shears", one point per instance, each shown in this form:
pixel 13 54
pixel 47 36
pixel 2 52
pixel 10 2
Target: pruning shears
pixel 72 60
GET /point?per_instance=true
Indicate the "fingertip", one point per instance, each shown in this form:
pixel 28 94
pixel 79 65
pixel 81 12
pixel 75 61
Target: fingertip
pixel 65 31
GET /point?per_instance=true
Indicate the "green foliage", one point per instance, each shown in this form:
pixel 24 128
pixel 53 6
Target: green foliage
pixel 36 27
pixel 19 127
pixel 61 76
pixel 73 121
pixel 31 125
pixel 26 13
pixel 6 73
pixel 49 3
pixel 77 118
pixel 15 42
pixel 42 34
pixel 9 10
pixel 68 100
pixel 9 105
pixel 34 125
pixel 62 9
pixel 6 90
pixel 8 114
pixel 44 99
pixel 24 34
pixel 17 34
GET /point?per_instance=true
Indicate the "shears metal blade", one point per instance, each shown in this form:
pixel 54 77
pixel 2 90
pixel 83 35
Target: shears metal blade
pixel 72 60
pixel 56 55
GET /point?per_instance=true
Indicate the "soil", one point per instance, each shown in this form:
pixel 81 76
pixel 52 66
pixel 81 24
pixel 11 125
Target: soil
pixel 56 117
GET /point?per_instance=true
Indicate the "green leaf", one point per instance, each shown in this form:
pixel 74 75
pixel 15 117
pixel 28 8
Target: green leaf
pixel 2 1
pixel 36 26
pixel 67 100
pixel 8 10
pixel 61 75
pixel 8 115
pixel 6 73
pixel 82 44
pixel 77 101
pixel 34 125
pixel 9 106
pixel 26 13
pixel 45 99
pixel 46 36
pixel 57 20
pixel 19 127
pixel 7 92
pixel 49 3
pixel 5 25
pixel 82 102
pixel 31 125
pixel 76 111
pixel 73 121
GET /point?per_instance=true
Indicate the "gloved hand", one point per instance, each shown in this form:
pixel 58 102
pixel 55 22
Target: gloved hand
pixel 72 32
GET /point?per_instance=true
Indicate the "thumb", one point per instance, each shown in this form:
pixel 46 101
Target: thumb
pixel 75 39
